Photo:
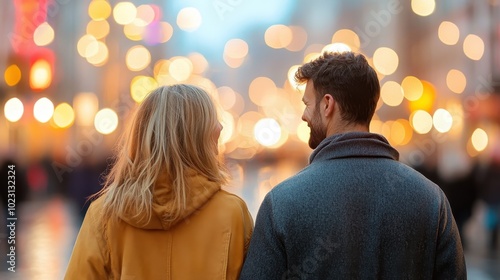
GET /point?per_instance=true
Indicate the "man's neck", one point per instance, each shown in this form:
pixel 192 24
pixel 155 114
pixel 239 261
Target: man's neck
pixel 346 127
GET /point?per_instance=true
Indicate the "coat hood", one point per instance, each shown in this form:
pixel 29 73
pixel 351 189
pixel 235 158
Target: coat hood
pixel 199 191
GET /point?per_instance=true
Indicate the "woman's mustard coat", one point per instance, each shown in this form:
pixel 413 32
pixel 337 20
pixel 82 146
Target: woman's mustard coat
pixel 209 240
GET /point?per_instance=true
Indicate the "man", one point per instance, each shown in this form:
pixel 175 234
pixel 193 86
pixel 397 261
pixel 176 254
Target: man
pixel 354 212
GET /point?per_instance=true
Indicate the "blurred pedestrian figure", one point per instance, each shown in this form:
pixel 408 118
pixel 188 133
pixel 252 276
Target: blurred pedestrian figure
pixel 355 212
pixel 162 213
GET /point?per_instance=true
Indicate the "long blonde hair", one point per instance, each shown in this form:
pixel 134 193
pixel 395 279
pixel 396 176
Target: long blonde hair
pixel 170 132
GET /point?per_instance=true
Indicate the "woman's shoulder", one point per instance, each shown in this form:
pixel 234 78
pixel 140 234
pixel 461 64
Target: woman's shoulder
pixel 225 200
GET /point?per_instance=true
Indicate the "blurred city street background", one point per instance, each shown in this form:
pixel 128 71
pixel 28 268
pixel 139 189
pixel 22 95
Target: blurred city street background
pixel 73 71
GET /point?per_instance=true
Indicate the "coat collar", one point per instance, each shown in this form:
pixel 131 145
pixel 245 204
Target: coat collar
pixel 354 144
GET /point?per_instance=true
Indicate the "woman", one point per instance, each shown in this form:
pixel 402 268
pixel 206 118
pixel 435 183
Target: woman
pixel 162 213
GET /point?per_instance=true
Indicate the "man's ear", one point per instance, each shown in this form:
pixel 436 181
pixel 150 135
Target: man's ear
pixel 329 105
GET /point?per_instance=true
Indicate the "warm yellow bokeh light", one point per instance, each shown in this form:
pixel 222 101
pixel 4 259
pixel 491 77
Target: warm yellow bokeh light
pixel 87 46
pixel 261 90
pixel 124 13
pixel 233 62
pixel 336 47
pixel 166 31
pixel 423 7
pixel 133 32
pixel 106 121
pixel 12 75
pixel 303 132
pixel 43 110
pixel 392 93
pixel 43 35
pixel 99 10
pixel 101 56
pixel 180 68
pixel 421 121
pixel 145 15
pixel 278 36
pixel 291 79
pixel 64 115
pixel 227 97
pixel 473 47
pixel 141 86
pixel 299 39
pixel 200 63
pixel 236 48
pixel 227 121
pixel 448 33
pixel 347 37
pixel 408 132
pixel 412 88
pixel 13 109
pixel 98 29
pixel 456 81
pixel 189 19
pixel 267 132
pixel 85 105
pixel 376 126
pixel 385 60
pixel 442 120
pixel 479 139
pixel 426 100
pixel 40 75
pixel 137 58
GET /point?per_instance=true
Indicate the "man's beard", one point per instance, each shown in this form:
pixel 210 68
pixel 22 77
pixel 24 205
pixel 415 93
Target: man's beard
pixel 318 131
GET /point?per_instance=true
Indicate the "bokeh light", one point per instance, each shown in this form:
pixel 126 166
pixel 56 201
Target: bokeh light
pixel 442 120
pixel 303 132
pixel 13 109
pixel 189 19
pixel 336 47
pixel 40 75
pixel 412 88
pixel 278 36
pixel 98 29
pixel 392 93
pixel 348 37
pixel 106 121
pixel 141 86
pixel 145 15
pixel 426 100
pixel 448 33
pixel 43 35
pixel 456 81
pixel 473 47
pixel 64 115
pixel 421 121
pixel 87 46
pixel 12 75
pixel 479 139
pixel 200 63
pixel 124 13
pixel 423 7
pixel 137 58
pixel 260 91
pixel 85 105
pixel 235 51
pixel 267 132
pixel 385 60
pixel 43 110
pixel 99 10
pixel 101 56
pixel 299 39
pixel 180 68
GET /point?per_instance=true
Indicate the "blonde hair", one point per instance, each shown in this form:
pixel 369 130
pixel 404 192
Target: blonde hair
pixel 171 131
